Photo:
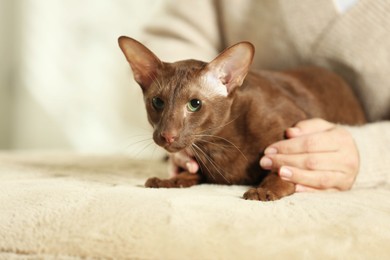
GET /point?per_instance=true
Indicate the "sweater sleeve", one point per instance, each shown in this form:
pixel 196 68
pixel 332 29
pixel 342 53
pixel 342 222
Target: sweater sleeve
pixel 373 142
pixel 183 29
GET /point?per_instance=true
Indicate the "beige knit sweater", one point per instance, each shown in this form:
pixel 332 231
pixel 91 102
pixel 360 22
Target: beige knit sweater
pixel 355 44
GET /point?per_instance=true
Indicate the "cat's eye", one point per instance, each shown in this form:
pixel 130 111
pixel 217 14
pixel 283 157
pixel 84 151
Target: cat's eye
pixel 194 105
pixel 158 103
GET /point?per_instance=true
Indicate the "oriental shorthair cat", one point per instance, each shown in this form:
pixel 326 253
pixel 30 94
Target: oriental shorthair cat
pixel 226 115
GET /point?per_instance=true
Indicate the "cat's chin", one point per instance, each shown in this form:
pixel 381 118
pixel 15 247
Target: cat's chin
pixel 174 148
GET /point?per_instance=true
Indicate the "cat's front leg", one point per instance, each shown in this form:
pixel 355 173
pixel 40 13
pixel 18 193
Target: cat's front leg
pixel 182 180
pixel 271 188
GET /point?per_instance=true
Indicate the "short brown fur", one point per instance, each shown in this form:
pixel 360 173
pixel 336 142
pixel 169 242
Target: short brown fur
pixel 229 133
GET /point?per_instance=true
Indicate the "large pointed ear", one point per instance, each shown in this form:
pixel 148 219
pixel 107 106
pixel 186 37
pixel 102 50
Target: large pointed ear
pixel 143 62
pixel 231 66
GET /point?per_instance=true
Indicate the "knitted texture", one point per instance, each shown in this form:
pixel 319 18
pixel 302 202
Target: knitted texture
pixel 286 34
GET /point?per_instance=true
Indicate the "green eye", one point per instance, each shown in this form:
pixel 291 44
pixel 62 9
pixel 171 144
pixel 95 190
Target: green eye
pixel 194 105
pixel 158 103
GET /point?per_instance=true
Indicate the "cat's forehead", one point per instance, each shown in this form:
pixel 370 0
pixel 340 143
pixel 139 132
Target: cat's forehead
pixel 186 77
pixel 186 70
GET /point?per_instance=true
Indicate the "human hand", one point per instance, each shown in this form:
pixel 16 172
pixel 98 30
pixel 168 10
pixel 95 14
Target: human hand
pixel 182 160
pixel 317 155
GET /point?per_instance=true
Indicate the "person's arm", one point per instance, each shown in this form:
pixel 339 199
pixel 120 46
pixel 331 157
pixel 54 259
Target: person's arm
pixel 373 142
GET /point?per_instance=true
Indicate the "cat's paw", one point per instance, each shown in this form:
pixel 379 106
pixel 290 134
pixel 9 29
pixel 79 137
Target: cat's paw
pixel 261 194
pixel 179 181
pixel 158 183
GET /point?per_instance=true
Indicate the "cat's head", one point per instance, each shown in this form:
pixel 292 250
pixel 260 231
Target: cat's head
pixel 188 99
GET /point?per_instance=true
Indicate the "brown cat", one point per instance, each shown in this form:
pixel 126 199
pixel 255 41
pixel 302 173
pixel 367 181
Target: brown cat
pixel 227 115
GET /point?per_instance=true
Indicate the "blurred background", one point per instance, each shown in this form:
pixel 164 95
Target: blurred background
pixel 64 83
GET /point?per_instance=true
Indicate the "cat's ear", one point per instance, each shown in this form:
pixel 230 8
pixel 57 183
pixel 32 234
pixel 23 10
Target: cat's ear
pixel 231 66
pixel 143 62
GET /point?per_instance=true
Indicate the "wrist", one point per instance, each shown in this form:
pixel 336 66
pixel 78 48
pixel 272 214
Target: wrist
pixel 371 149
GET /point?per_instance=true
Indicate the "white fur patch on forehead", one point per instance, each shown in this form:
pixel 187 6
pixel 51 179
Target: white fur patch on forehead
pixel 213 86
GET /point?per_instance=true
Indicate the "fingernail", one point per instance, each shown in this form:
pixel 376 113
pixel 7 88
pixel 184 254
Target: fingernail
pixel 285 173
pixel 195 167
pixel 271 150
pixel 191 167
pixel 266 163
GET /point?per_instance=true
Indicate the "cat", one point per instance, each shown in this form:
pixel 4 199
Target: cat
pixel 226 114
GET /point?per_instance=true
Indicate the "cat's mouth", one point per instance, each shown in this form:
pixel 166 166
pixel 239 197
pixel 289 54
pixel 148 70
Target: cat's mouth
pixel 174 147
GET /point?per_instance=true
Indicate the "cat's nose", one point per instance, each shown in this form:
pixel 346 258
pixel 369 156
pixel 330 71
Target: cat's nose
pixel 169 136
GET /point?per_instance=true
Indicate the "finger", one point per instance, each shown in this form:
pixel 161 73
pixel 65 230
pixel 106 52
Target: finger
pixel 184 161
pixel 311 161
pixel 314 143
pixel 309 126
pixel 303 188
pixel 316 179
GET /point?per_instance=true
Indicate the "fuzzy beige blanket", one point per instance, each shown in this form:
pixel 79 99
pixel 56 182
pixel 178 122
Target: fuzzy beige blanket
pixel 64 206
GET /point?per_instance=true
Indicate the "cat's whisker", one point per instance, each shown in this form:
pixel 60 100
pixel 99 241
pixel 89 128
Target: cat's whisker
pixel 139 141
pixel 200 161
pixel 196 153
pixel 222 126
pixel 154 150
pixel 137 137
pixel 216 144
pixel 226 140
pixel 212 162
pixel 133 148
pixel 144 148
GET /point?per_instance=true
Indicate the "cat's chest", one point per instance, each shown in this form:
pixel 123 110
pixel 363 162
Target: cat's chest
pixel 215 150
pixel 223 159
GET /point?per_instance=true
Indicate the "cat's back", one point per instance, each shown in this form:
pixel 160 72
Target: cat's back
pixel 317 91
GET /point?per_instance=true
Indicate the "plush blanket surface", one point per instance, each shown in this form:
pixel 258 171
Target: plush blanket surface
pixel 66 206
